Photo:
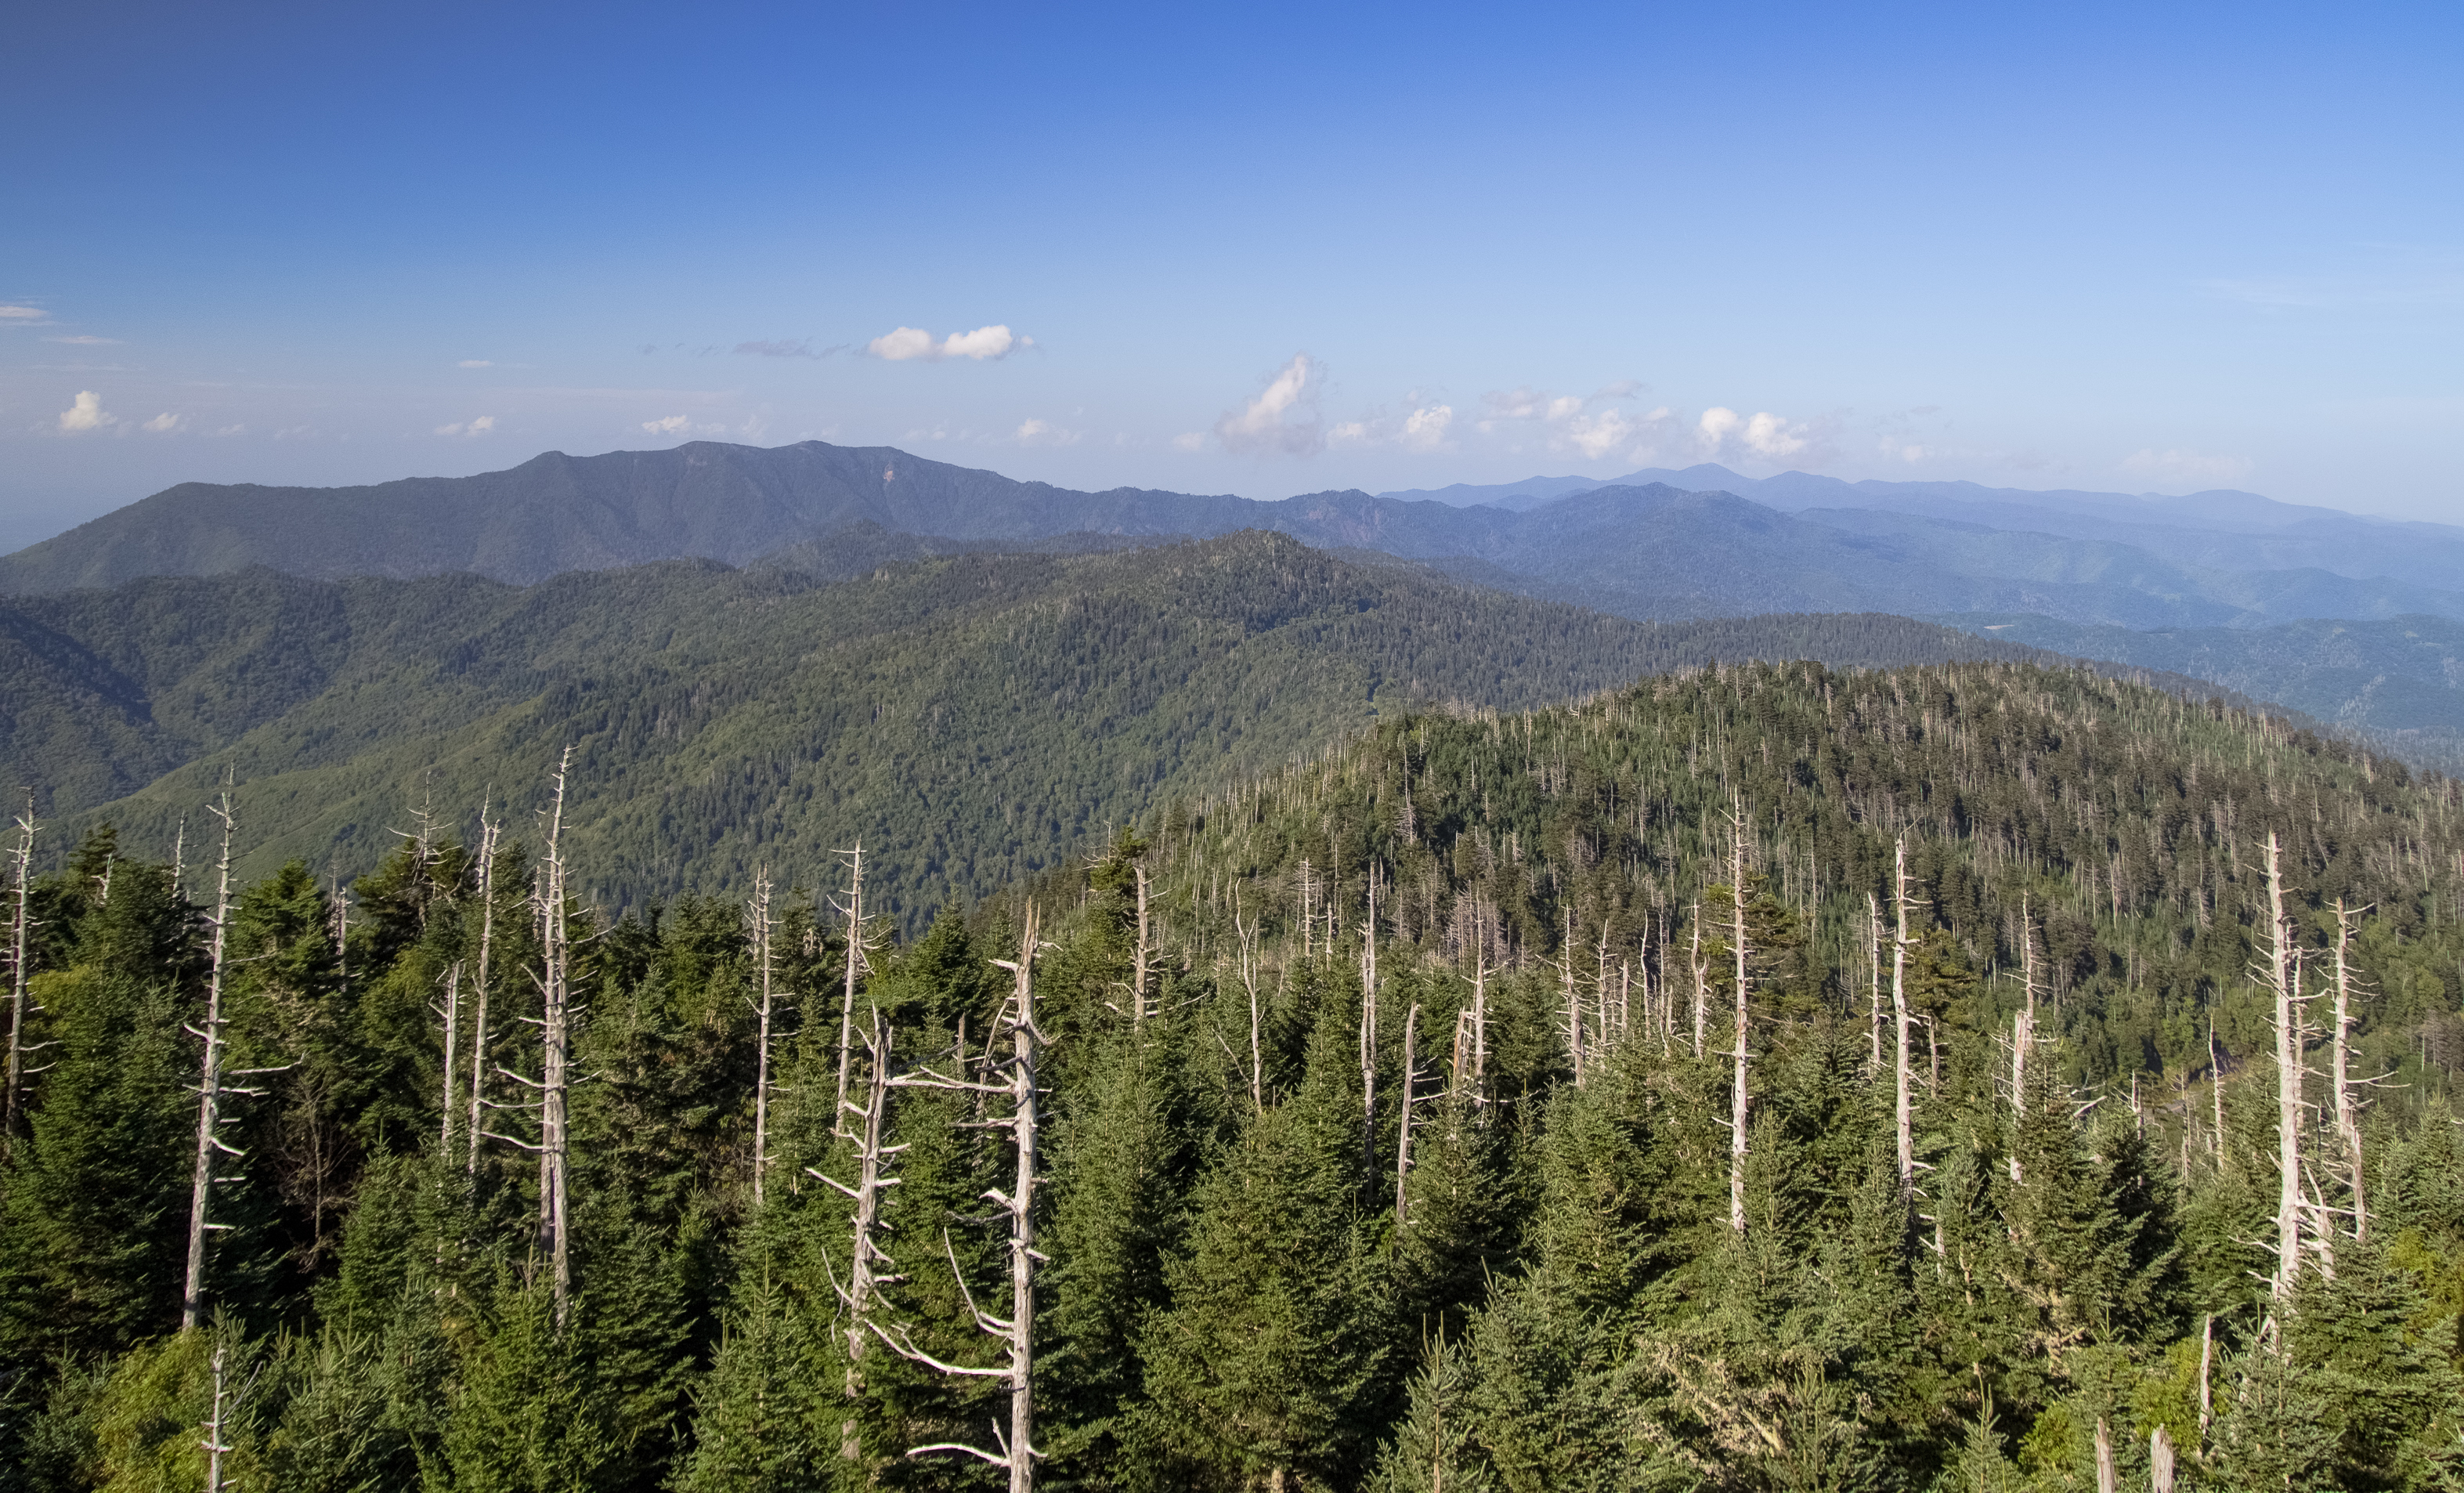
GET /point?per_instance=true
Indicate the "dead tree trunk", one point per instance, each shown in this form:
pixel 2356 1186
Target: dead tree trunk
pixel 1017 1451
pixel 1901 1112
pixel 1574 998
pixel 555 1040
pixel 212 1085
pixel 2023 1028
pixel 1874 988
pixel 2281 978
pixel 23 924
pixel 2348 1115
pixel 1403 1121
pixel 480 981
pixel 1737 1092
pixel 217 1425
pixel 1368 1035
pixel 1139 973
pixel 451 1011
pixel 865 1251
pixel 1701 980
pixel 762 925
pixel 854 960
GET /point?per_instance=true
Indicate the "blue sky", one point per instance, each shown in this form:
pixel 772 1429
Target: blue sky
pixel 1250 249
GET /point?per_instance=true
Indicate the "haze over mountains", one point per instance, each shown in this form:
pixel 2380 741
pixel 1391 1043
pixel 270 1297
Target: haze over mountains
pixel 1652 546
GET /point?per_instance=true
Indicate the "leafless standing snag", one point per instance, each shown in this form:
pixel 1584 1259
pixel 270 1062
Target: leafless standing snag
pixel 1368 1032
pixel 555 1042
pixel 2348 1117
pixel 854 911
pixel 761 923
pixel 2023 1025
pixel 488 830
pixel 864 1281
pixel 213 1084
pixel 19 1006
pixel 451 1011
pixel 1017 1330
pixel 555 1023
pixel 1701 980
pixel 1403 1123
pixel 1901 1116
pixel 1737 1092
pixel 1248 937
pixel 217 1424
pixel 2280 977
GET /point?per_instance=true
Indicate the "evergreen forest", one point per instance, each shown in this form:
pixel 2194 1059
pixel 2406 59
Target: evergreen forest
pixel 1977 1075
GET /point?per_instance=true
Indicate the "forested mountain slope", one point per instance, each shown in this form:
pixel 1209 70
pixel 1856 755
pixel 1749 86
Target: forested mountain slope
pixel 969 718
pixel 2405 675
pixel 1379 1134
pixel 1640 549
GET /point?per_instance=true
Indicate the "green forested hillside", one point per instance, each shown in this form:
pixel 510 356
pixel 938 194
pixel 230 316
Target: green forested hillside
pixel 1424 1187
pixel 970 718
pixel 2401 680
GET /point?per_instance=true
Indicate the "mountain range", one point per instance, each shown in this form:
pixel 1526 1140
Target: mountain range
pixel 1655 545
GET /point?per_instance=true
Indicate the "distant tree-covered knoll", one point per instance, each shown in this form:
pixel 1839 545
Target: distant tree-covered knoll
pixel 1964 1076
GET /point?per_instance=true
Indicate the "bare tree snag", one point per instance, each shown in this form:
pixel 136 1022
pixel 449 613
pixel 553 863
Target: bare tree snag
pixel 1404 1125
pixel 865 1251
pixel 1139 973
pixel 1737 1092
pixel 1017 1332
pixel 2348 1117
pixel 488 831
pixel 762 924
pixel 2215 1092
pixel 1248 937
pixel 555 1042
pixel 451 1011
pixel 23 924
pixel 1900 1112
pixel 1368 1034
pixel 1573 1000
pixel 1874 988
pixel 212 1085
pixel 2023 1026
pixel 217 1425
pixel 1701 980
pixel 2280 977
pixel 855 909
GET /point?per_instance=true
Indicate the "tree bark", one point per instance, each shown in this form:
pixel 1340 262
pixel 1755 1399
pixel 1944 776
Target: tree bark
pixel 1404 1124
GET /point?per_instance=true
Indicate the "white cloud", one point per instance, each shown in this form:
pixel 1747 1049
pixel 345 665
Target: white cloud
pixel 1042 432
pixel 672 424
pixel 1425 429
pixel 1717 424
pixel 81 339
pixel 1573 422
pixel 1723 432
pixel 1189 441
pixel 2180 468
pixel 165 422
pixel 477 362
pixel 478 426
pixel 86 413
pixel 914 345
pixel 1260 425
pixel 1768 434
pixel 24 316
pixel 233 430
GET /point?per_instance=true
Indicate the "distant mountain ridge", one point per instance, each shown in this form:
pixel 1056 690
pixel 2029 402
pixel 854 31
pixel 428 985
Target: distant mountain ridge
pixel 1690 547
